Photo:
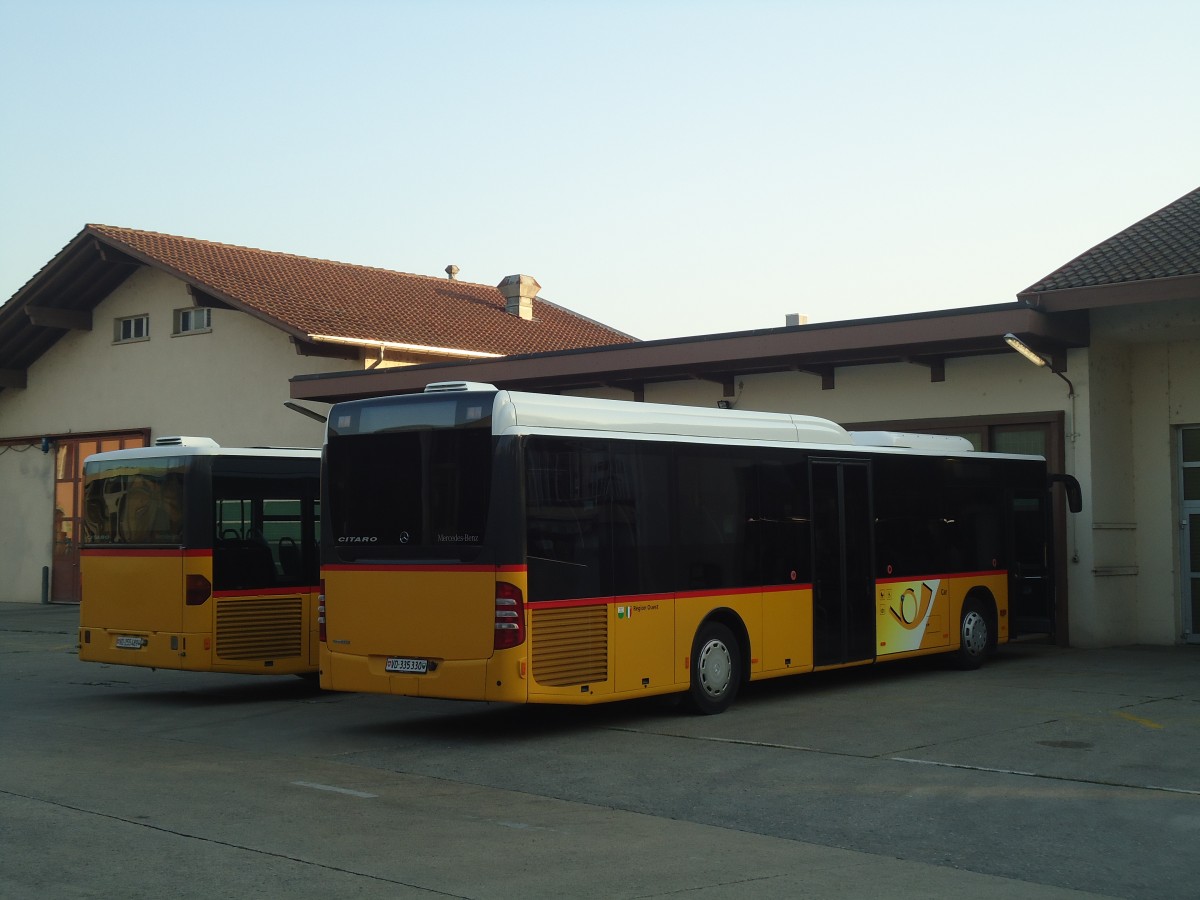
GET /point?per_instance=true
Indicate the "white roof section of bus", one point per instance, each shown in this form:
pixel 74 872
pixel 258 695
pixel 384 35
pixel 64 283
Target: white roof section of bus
pixel 515 412
pixel 192 446
pixel 937 443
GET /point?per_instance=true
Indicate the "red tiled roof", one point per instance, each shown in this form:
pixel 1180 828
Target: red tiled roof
pixel 1165 244
pixel 320 297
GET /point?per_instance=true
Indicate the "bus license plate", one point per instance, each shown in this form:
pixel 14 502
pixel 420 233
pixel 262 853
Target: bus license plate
pixel 407 664
pixel 129 642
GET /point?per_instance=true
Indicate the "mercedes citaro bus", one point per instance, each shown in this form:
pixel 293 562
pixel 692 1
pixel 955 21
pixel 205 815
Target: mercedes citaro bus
pixel 486 544
pixel 201 557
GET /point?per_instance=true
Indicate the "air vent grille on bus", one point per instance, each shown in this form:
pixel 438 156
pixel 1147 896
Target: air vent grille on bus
pixel 260 628
pixel 570 646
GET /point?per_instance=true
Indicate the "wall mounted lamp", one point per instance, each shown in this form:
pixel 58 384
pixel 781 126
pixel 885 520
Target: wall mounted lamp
pixel 1036 358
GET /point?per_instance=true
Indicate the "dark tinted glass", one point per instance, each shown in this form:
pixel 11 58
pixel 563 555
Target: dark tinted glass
pixel 780 528
pixel 567 530
pixel 715 491
pixel 264 532
pixel 134 501
pixel 411 493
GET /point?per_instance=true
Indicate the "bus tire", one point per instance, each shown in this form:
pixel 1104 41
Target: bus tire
pixel 974 634
pixel 716 669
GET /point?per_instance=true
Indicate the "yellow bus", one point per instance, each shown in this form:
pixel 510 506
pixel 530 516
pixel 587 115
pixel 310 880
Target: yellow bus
pixel 201 557
pixel 485 544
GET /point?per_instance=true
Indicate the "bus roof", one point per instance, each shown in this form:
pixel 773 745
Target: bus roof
pixel 198 447
pixel 517 412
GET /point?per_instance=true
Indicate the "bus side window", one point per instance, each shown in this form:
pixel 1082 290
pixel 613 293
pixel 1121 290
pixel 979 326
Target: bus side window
pixel 713 491
pixel 566 546
pixel 642 551
pixel 779 530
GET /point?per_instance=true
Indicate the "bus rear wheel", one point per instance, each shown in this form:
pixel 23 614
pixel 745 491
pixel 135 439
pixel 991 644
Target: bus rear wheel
pixel 974 635
pixel 716 670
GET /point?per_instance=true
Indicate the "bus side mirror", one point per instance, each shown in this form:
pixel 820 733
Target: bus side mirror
pixel 1070 485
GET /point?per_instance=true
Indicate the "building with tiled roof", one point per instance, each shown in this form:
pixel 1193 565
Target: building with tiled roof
pixel 1164 245
pixel 319 304
pixel 127 335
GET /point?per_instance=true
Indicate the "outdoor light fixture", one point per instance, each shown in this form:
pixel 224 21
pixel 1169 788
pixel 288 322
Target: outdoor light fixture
pixel 1024 349
pixel 1036 358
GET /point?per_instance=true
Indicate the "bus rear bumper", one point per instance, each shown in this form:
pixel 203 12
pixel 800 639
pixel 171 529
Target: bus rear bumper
pixel 152 649
pixel 496 679
pixel 186 651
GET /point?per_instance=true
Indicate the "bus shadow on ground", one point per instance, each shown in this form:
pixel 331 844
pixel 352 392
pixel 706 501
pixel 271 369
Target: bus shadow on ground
pixel 240 689
pixel 509 723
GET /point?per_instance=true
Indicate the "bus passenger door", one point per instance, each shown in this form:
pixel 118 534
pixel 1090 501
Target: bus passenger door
pixel 843 587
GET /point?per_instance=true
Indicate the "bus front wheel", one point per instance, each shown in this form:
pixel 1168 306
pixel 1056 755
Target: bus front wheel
pixel 716 669
pixel 974 635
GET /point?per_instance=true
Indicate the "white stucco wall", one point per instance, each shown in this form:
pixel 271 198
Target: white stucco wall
pixel 228 384
pixel 27 535
pixel 1149 358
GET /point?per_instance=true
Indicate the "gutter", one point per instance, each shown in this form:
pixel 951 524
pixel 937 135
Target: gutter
pixel 381 346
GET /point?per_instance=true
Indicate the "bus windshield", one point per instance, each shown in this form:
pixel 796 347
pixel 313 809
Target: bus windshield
pixel 411 481
pixel 135 501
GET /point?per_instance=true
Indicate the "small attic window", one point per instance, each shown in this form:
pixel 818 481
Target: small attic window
pixel 192 320
pixel 131 328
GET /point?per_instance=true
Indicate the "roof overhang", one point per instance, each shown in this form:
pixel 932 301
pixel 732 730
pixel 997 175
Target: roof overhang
pixel 1126 293
pixel 62 295
pixel 926 339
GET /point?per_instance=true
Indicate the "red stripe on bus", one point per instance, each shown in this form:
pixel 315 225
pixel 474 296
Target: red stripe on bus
pixel 722 592
pixel 658 598
pixel 272 592
pixel 901 579
pixel 414 567
pixel 97 551
pixel 778 588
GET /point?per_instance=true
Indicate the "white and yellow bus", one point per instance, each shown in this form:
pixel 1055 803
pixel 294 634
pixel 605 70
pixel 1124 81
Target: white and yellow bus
pixel 201 557
pixel 484 544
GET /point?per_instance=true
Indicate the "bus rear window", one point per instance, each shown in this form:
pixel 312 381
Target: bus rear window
pixel 134 502
pixel 409 494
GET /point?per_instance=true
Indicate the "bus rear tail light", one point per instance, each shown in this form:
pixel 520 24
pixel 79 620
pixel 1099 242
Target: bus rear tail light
pixel 510 616
pixel 321 613
pixel 197 590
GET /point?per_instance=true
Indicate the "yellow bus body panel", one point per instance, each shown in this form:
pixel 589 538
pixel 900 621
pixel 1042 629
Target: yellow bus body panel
pixel 786 646
pixel 131 598
pixel 445 615
pixel 602 649
pixel 127 594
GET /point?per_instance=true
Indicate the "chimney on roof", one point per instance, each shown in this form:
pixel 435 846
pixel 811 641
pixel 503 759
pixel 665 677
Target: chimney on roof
pixel 452 271
pixel 519 292
pixel 794 319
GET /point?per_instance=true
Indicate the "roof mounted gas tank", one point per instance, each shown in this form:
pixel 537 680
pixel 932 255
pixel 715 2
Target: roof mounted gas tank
pixel 185 441
pixel 445 387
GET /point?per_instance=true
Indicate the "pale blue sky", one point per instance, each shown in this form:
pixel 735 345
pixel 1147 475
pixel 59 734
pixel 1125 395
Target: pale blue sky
pixel 668 168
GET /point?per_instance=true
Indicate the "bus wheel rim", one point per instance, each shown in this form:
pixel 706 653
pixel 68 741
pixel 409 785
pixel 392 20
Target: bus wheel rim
pixel 715 668
pixel 974 633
